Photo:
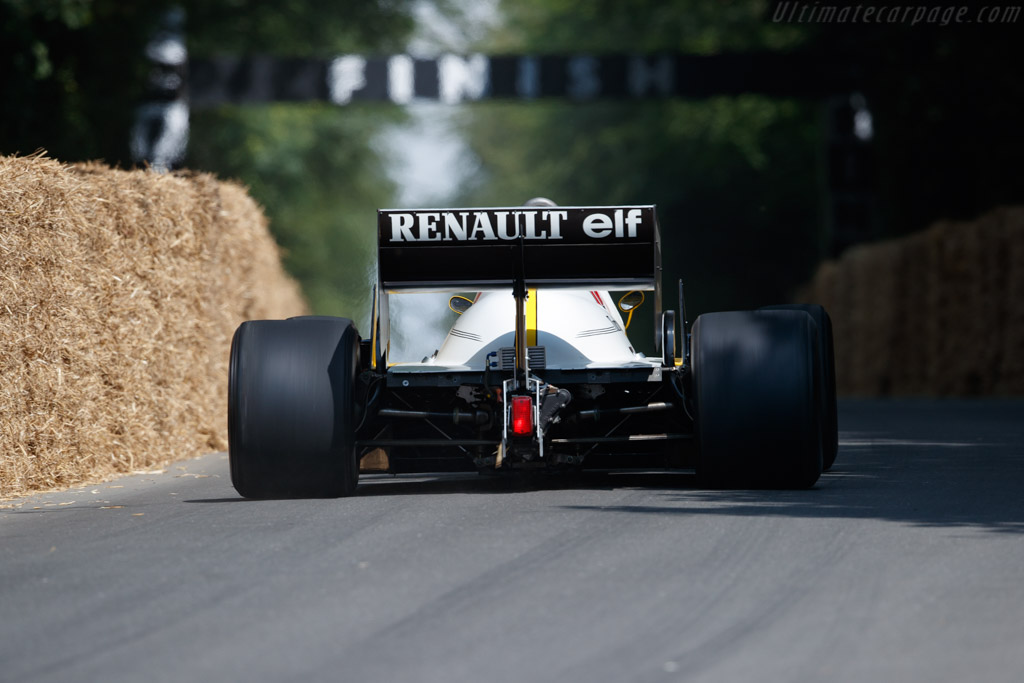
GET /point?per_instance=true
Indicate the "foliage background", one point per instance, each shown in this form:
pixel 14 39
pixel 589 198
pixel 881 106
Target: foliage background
pixel 741 182
pixel 79 73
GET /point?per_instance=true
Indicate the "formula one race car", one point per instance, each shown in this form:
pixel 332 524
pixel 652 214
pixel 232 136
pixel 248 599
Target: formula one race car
pixel 537 373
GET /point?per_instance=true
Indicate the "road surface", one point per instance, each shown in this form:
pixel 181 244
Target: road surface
pixel 906 563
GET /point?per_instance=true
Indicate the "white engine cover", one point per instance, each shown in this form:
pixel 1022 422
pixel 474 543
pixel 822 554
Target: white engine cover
pixel 578 329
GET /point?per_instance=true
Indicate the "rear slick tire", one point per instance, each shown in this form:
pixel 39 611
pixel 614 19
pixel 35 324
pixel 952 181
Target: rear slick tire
pixel 758 412
pixel 827 377
pixel 290 408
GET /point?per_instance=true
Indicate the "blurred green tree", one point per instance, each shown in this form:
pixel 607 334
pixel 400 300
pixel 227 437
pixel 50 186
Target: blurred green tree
pixel 313 166
pixel 78 73
pixel 947 102
pixel 741 182
pixel 76 70
pixel 320 181
pixel 75 73
pixel 736 180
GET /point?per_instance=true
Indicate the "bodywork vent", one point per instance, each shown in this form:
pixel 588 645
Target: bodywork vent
pixel 507 358
pixel 536 356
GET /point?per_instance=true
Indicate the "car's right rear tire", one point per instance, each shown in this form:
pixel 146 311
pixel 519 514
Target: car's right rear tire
pixel 290 408
pixel 827 377
pixel 758 413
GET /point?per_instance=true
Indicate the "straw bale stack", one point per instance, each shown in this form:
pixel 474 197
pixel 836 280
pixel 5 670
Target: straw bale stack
pixel 119 293
pixel 938 313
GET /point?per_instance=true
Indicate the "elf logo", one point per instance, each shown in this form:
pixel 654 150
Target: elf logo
pixel 600 225
pixel 494 225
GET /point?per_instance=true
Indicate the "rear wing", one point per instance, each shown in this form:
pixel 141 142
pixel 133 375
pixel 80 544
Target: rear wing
pixel 592 247
pixel 521 247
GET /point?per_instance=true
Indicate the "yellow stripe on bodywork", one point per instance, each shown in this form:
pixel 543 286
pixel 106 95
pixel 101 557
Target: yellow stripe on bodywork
pixel 531 317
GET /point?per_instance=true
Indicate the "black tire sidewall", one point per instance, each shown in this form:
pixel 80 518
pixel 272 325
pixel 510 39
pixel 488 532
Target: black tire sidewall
pixel 290 408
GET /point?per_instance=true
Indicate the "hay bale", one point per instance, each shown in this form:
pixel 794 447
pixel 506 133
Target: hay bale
pixel 874 316
pixel 952 301
pixel 119 293
pixel 912 330
pixel 1008 223
pixel 936 313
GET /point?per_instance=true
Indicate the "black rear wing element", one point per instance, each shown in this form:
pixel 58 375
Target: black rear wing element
pixel 593 247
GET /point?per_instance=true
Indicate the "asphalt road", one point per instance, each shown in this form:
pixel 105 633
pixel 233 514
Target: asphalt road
pixel 906 563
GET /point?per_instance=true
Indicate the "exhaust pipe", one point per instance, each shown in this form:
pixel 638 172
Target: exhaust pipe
pixel 470 417
pixel 598 413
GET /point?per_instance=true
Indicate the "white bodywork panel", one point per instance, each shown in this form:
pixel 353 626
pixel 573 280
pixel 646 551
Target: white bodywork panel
pixel 579 329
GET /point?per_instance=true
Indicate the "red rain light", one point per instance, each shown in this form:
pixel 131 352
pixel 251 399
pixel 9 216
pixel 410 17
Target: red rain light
pixel 522 415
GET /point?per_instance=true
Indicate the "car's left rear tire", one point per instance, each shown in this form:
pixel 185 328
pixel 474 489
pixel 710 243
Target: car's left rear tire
pixel 290 408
